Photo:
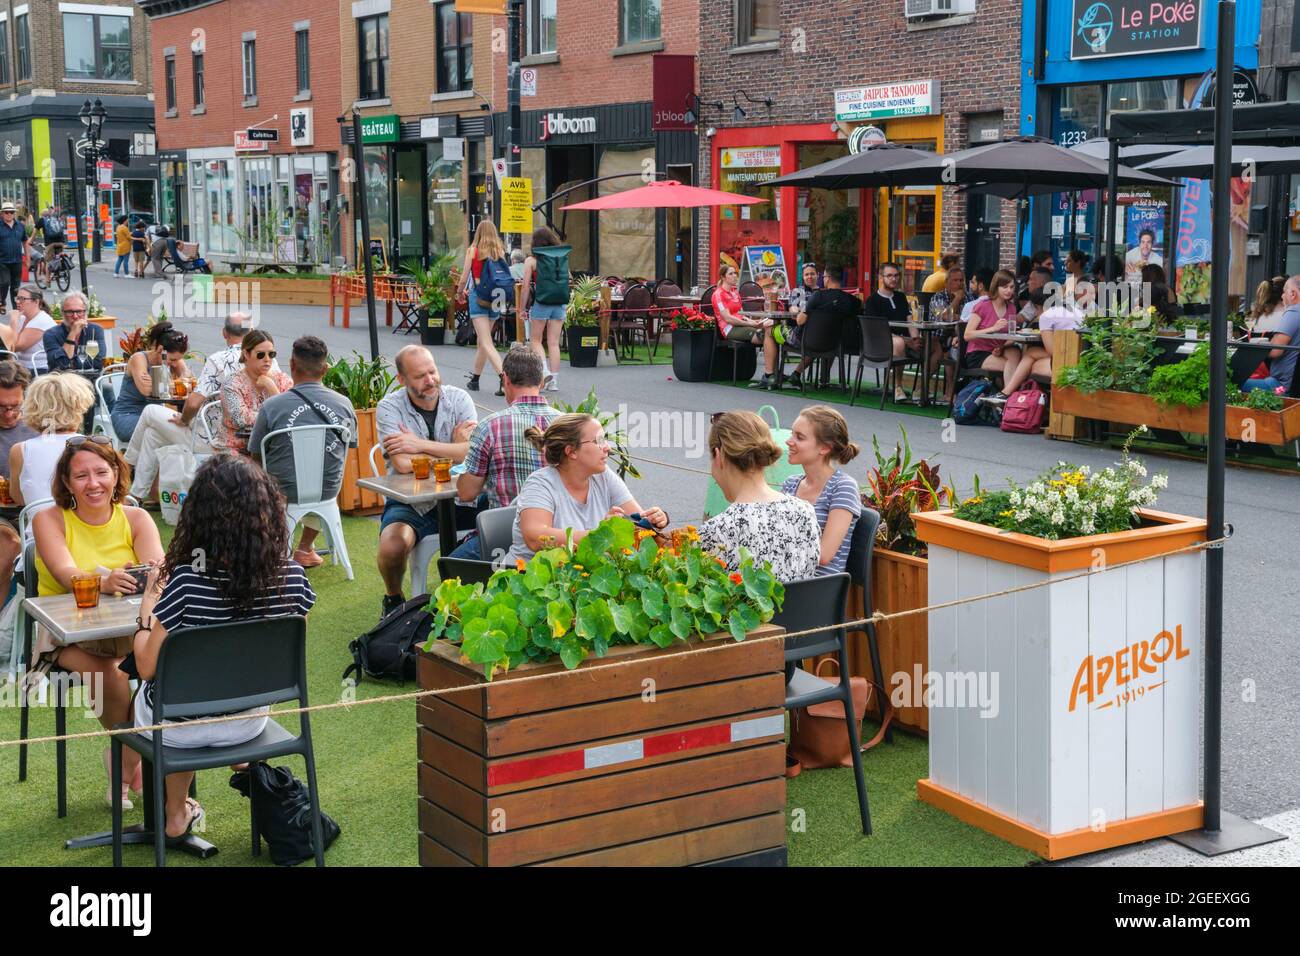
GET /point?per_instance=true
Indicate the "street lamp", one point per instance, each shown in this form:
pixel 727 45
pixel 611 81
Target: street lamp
pixel 92 116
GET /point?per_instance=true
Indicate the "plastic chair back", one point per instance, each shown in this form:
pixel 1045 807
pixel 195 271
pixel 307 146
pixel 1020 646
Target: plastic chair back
pixel 636 301
pixel 814 602
pixel 309 443
pixel 226 668
pixel 822 334
pixel 108 387
pixel 706 300
pixel 25 517
pixel 496 528
pixel 877 339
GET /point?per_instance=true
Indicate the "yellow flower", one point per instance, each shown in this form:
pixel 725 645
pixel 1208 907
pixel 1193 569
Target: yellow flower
pixel 974 501
pixel 1005 514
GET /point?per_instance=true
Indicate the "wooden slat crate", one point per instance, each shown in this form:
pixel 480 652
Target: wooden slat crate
pixel 590 768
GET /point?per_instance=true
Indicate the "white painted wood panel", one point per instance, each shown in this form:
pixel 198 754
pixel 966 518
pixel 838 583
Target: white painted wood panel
pixel 942 576
pixel 1182 690
pixel 1144 784
pixel 1106 719
pixel 1028 700
pixel 973 623
pixel 999 721
pixel 1068 747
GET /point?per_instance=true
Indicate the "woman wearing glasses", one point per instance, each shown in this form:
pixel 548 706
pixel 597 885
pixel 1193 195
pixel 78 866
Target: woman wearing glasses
pixel 89 530
pixel 25 333
pixel 162 344
pixel 575 491
pixel 243 394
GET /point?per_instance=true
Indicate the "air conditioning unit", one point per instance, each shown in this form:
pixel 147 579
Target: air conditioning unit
pixel 915 9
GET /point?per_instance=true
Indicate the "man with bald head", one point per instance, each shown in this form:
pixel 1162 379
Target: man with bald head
pixel 1282 362
pixel 423 417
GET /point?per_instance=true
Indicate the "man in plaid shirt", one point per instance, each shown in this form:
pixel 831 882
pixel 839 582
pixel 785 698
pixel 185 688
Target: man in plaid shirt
pixel 499 457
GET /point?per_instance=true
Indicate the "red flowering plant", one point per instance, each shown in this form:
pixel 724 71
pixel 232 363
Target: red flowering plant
pixel 617 585
pixel 690 318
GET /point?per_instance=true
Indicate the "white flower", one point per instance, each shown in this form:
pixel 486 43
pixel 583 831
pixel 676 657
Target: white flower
pixel 1014 497
pixel 1058 517
pixel 1087 526
pixel 1108 501
pixel 1022 515
pixel 1160 481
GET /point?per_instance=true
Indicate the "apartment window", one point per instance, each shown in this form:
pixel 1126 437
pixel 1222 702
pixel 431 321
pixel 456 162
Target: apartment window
pixel 541 26
pixel 639 20
pixel 756 21
pixel 455 49
pixel 372 34
pixel 23 43
pixel 302 51
pixel 198 80
pixel 4 51
pixel 96 46
pixel 250 69
pixel 169 78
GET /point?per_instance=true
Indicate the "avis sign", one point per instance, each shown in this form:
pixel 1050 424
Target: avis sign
pixel 1129 27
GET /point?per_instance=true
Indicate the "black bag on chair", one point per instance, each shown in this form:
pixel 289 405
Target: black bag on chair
pixel 282 806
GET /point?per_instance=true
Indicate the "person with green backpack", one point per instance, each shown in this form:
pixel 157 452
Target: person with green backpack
pixel 546 277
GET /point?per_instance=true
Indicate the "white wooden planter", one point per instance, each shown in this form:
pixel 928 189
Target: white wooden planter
pixel 1082 731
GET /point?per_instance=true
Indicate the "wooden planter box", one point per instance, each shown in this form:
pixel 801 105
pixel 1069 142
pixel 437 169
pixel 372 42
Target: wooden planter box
pixel 1130 408
pixel 898 583
pixel 354 499
pixel 582 769
pixel 1090 737
pixel 271 290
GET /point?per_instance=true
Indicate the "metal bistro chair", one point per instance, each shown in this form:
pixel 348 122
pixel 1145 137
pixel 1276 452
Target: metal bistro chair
pixel 820 602
pixel 468 570
pixel 309 443
pixel 206 425
pixel 633 318
pixel 197 677
pixel 496 530
pixel 107 388
pixel 877 353
pixel 664 291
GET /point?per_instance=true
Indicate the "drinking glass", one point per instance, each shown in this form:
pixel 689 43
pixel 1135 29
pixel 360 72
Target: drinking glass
pixel 92 349
pixel 442 470
pixel 420 466
pixel 85 590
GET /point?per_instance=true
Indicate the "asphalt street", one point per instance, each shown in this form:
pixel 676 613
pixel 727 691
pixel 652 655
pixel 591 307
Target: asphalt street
pixel 1261 668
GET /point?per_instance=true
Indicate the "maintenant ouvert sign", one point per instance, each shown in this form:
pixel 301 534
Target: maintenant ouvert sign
pixel 908 98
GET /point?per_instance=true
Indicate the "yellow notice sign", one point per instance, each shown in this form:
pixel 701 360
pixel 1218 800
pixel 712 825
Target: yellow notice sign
pixel 516 204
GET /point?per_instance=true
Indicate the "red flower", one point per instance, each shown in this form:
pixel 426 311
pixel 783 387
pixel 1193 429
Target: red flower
pixel 736 578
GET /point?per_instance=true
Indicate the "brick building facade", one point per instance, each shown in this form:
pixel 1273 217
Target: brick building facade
pixel 796 55
pixel 53 58
pixel 223 69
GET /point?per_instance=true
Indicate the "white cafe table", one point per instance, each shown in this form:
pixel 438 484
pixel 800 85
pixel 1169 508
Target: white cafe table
pixel 113 617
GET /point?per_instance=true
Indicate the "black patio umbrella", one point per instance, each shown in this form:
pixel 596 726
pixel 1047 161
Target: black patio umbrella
pixel 870 168
pixel 1197 162
pixel 1099 148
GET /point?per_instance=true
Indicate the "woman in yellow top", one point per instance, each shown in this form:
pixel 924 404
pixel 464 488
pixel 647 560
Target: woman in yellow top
pixel 123 236
pixel 89 530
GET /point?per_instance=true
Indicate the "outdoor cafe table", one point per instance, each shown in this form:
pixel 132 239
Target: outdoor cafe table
pixel 114 617
pixel 1019 338
pixel 931 329
pixel 410 490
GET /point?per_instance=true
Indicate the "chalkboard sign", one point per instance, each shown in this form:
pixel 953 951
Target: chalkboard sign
pixel 378 256
pixel 766 266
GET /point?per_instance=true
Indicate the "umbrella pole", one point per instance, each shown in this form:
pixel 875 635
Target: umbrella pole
pixel 1112 208
pixel 1074 203
pixel 1222 832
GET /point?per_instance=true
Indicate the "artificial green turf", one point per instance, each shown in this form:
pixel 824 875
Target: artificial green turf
pixel 366 764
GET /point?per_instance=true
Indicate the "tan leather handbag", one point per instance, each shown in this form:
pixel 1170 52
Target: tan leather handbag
pixel 818 735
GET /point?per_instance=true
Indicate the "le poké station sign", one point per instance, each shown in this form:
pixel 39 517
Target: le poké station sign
pixel 885 100
pixel 1128 27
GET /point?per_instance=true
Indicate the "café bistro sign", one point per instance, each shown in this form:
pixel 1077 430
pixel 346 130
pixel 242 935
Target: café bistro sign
pixel 1127 27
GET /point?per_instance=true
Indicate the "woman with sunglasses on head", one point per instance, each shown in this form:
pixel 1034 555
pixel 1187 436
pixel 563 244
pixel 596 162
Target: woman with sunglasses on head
pixel 575 490
pixel 162 345
pixel 89 530
pixel 245 391
pixel 54 407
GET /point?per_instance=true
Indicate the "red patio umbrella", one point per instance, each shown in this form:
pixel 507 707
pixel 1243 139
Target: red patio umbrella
pixel 668 194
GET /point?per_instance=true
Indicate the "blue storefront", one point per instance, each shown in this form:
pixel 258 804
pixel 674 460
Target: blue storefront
pixel 1084 60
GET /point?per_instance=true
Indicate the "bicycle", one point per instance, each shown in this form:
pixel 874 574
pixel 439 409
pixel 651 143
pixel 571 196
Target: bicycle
pixel 57 273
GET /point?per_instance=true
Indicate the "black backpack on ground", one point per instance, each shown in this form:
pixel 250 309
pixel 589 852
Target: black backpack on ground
pixel 282 807
pixel 387 650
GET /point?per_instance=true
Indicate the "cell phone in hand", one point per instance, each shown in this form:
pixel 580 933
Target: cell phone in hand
pixel 140 573
pixel 641 522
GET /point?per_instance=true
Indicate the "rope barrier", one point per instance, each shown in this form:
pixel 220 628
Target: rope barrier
pixel 856 625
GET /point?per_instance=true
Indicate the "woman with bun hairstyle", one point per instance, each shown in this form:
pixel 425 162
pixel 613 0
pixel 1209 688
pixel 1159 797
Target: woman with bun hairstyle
pixel 574 491
pixel 1266 313
pixel 774 528
pixel 819 440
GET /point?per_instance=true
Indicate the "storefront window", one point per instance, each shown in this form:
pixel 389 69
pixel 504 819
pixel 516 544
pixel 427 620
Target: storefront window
pixel 914 236
pixel 214 207
pixel 826 231
pixel 1076 114
pixel 376 160
pixel 746 170
pixel 410 169
pixel 627 236
pixel 1076 118
pixel 261 227
pixel 446 222
pixel 1146 95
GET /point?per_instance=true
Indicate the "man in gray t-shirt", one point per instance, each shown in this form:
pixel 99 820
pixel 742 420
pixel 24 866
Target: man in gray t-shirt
pixel 307 403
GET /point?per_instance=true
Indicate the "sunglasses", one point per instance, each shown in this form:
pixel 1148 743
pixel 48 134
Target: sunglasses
pixel 264 355
pixel 713 419
pixel 76 441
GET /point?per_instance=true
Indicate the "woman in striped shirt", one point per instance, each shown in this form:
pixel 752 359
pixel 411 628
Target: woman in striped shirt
pixel 226 562
pixel 818 440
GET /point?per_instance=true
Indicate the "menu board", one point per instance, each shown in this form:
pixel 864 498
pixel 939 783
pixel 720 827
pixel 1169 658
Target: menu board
pixel 766 266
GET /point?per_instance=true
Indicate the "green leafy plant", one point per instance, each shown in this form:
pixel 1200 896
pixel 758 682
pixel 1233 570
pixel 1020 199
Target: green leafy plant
pixel 1260 399
pixel 1069 501
pixel 617 586
pixel 584 302
pixel 364 381
pixel 435 284
pixel 899 487
pixel 615 435
pixel 1119 355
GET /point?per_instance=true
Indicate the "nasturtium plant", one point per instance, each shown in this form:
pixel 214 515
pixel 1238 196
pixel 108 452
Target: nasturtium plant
pixel 616 586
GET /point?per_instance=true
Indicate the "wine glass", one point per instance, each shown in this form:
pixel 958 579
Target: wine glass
pixel 92 349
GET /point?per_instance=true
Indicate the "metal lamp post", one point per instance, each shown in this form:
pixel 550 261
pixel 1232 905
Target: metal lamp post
pixel 92 116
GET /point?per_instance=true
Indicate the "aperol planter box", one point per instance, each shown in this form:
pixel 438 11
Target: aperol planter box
pixel 674 759
pixel 1066 717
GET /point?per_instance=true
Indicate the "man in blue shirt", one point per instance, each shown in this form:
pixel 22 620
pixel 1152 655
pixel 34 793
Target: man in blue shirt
pixel 14 247
pixel 1282 362
pixel 65 344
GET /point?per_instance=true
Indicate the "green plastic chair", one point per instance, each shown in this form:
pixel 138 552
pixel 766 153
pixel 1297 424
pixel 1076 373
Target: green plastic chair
pixel 776 474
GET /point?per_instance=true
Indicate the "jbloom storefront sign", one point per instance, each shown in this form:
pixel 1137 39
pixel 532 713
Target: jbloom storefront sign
pixel 1126 27
pixel 910 98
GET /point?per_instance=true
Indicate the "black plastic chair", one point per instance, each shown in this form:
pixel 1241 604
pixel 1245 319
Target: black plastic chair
pixel 496 530
pixel 57 687
pixel 468 570
pixel 632 319
pixel 820 602
pixel 861 548
pixel 223 669
pixel 877 353
pixel 822 340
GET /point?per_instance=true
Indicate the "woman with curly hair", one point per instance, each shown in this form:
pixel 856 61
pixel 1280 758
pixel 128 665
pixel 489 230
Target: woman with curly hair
pixel 226 562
